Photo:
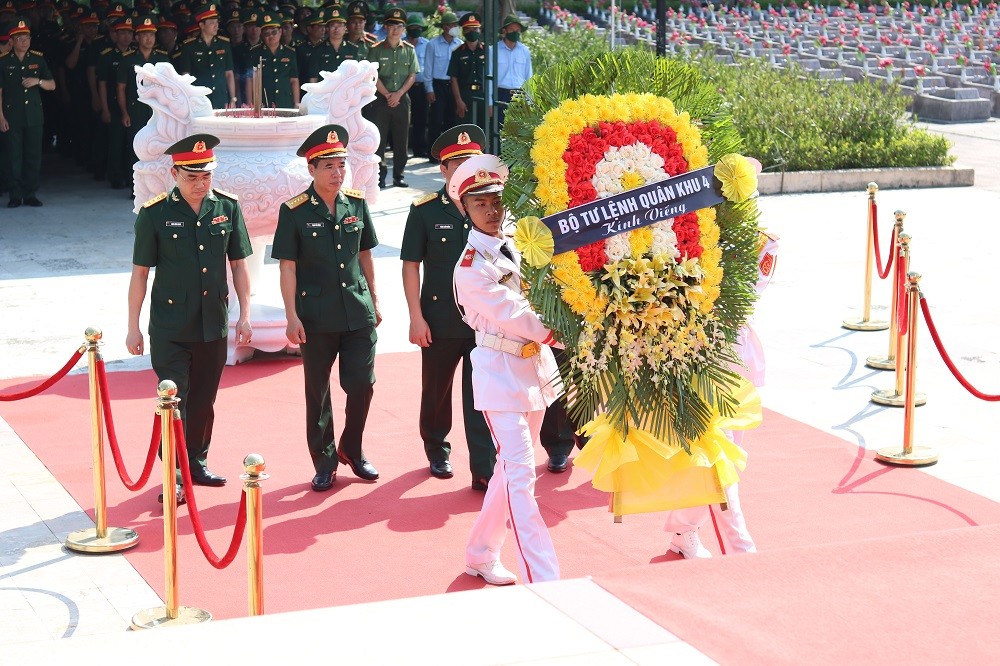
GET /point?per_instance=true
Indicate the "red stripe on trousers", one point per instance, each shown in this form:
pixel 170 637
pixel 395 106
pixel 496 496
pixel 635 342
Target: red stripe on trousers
pixel 510 509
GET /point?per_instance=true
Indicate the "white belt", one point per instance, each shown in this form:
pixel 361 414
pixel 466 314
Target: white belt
pixel 490 341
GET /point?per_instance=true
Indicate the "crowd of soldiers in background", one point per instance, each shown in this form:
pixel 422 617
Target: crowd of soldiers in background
pixel 94 114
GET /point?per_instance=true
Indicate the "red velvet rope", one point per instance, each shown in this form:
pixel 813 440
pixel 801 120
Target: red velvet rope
pixel 947 359
pixel 902 299
pixel 882 273
pixel 10 397
pixel 715 524
pixel 199 531
pixel 147 468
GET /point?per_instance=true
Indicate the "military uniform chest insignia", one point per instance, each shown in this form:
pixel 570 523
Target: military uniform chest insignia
pixel 427 198
pixel 350 219
pixel 467 258
pixel 295 202
pixel 174 197
pixel 444 200
pixel 220 219
pixel 313 201
pixel 158 198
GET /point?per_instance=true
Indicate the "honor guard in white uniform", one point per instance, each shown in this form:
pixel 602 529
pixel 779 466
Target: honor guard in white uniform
pixel 684 523
pixel 514 378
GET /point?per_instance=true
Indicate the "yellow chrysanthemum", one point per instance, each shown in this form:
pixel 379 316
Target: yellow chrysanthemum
pixel 738 177
pixel 640 241
pixel 631 180
pixel 534 241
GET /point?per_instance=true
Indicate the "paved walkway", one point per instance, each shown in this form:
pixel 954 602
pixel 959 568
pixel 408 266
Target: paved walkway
pixel 66 266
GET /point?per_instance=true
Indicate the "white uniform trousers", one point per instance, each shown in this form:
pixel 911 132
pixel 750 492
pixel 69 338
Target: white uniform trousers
pixel 732 524
pixel 510 496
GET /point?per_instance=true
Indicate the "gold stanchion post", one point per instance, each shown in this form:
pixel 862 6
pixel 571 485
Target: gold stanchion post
pixel 909 454
pixel 253 466
pixel 170 614
pixel 888 362
pixel 866 323
pixel 896 397
pixel 100 538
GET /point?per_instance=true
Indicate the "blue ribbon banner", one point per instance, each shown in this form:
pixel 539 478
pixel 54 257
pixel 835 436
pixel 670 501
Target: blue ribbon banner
pixel 637 208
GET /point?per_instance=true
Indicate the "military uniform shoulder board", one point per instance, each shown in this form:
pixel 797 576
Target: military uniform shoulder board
pixel 357 194
pixel 37 53
pixel 189 40
pixel 4 55
pixel 295 202
pixel 160 51
pixel 468 256
pixel 128 52
pixel 405 43
pixel 106 51
pixel 425 199
pixel 158 198
pixel 228 195
pixel 223 39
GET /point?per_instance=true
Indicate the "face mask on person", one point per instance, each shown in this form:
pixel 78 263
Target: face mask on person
pixel 513 36
pixel 454 32
pixel 413 33
pixel 472 36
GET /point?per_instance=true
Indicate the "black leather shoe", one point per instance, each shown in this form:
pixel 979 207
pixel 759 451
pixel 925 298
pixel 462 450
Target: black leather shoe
pixel 441 470
pixel 33 202
pixel 361 467
pixel 558 463
pixel 480 485
pixel 381 185
pixel 202 477
pixel 14 203
pixel 181 499
pixel 323 481
pixel 399 182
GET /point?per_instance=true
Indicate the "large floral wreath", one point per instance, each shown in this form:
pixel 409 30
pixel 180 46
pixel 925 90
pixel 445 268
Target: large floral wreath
pixel 648 316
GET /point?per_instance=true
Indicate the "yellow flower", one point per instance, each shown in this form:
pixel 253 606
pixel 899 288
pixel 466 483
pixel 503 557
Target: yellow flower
pixel 640 240
pixel 632 180
pixel 738 177
pixel 534 241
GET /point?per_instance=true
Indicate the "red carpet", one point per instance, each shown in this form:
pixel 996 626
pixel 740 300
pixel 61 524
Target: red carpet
pixel 404 535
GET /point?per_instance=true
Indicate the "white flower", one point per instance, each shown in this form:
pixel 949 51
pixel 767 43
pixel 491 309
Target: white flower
pixel 617 247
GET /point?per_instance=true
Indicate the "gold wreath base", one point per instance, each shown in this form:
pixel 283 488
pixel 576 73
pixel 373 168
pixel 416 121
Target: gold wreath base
pixel 646 474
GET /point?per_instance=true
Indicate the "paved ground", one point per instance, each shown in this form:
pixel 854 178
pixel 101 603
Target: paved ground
pixel 65 267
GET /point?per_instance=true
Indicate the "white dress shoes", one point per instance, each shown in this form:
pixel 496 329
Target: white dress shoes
pixel 688 545
pixel 493 573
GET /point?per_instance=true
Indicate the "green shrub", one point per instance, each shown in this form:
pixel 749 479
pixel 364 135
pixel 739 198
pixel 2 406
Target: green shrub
pixel 550 48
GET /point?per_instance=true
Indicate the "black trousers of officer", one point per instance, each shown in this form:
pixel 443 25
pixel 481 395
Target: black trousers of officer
pixel 418 119
pixel 99 148
pixel 119 153
pixel 442 112
pixel 196 368
pixel 504 95
pixel 558 433
pixel 357 377
pixel 475 104
pixel 438 364
pixel 394 122
pixel 23 160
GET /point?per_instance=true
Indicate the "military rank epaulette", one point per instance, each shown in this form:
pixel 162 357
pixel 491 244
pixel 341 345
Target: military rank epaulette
pixel 161 52
pixel 158 198
pixel 221 38
pixel 106 51
pixel 357 194
pixel 425 199
pixel 128 53
pixel 190 39
pixel 228 195
pixel 295 202
pixel 468 257
pixel 4 55
pixel 37 53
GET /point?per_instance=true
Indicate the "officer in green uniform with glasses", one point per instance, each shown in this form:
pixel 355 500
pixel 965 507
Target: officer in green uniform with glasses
pixel 323 243
pixel 435 236
pixel 190 234
pixel 278 66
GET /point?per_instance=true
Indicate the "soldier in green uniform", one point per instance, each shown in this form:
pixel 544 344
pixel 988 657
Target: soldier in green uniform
pixel 323 242
pixel 23 73
pixel 357 14
pixel 278 65
pixel 190 234
pixel 107 92
pixel 335 50
pixel 315 22
pixel 435 235
pixel 209 59
pixel 397 70
pixel 241 54
pixel 135 114
pixel 467 69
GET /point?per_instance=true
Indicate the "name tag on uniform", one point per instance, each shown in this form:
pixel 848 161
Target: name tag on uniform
pixel 315 225
pixel 174 224
pixel 444 226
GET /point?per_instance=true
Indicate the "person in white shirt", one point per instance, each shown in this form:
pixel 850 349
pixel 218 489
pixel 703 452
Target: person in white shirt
pixel 513 64
pixel 437 83
pixel 514 379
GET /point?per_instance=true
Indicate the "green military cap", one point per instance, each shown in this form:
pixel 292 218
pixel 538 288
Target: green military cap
pixel 116 10
pixel 287 17
pixel 357 8
pixel 448 18
pixel 90 18
pixel 123 23
pixel 269 20
pixel 288 5
pixel 326 142
pixel 459 141
pixel 145 7
pixel 335 14
pixel 316 17
pixel 470 21
pixel 145 24
pixel 415 19
pixel 512 19
pixel 394 15
pixel 167 24
pixel 250 16
pixel 194 153
pixel 234 16
pixel 180 9
pixel 206 12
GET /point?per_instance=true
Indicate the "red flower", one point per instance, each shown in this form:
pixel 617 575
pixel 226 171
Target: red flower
pixel 688 235
pixel 592 257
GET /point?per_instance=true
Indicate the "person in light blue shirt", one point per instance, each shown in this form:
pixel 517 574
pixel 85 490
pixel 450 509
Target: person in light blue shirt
pixel 513 63
pixel 437 83
pixel 415 27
